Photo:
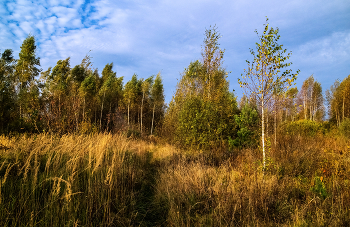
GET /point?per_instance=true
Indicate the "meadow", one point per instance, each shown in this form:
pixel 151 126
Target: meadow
pixel 112 180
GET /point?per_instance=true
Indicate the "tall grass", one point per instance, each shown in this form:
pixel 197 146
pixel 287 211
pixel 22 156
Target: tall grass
pixel 109 180
pixel 72 180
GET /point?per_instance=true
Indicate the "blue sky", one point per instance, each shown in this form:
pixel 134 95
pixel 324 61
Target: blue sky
pixel 145 37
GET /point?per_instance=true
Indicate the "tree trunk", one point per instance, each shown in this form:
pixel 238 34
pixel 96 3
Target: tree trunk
pixel 128 114
pixel 262 131
pixel 143 97
pixel 154 106
pixel 84 110
pixel 104 93
pixel 59 107
pixel 109 114
pixel 138 117
pixel 75 112
pixel 305 109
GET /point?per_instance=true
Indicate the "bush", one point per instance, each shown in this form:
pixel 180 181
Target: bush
pixel 304 128
pixel 201 124
pixel 247 122
pixel 344 128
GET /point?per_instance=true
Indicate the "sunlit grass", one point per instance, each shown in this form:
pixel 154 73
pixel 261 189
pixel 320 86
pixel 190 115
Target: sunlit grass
pixel 109 180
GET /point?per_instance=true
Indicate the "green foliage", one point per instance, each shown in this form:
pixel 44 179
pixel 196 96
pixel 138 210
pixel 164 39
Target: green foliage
pixel 247 122
pixel 26 67
pixel 267 73
pixel 304 128
pixel 157 98
pixel 78 73
pixel 319 188
pixel 7 91
pixel 344 127
pixel 201 114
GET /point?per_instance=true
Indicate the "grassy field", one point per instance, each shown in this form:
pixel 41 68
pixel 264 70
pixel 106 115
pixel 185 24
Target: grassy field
pixel 109 180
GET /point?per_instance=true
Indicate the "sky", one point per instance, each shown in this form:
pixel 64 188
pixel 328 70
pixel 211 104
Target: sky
pixel 146 37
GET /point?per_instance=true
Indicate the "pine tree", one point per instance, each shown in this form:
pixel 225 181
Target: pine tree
pixel 25 72
pixel 7 90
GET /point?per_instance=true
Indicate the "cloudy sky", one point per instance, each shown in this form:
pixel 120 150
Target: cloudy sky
pixel 145 37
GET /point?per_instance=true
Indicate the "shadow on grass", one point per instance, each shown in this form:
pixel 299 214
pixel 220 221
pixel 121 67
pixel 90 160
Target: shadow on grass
pixel 150 212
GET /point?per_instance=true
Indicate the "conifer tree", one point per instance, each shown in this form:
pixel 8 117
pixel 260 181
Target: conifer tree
pixel 7 89
pixel 26 70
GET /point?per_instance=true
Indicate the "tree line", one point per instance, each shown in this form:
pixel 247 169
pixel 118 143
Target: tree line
pixel 203 112
pixel 63 99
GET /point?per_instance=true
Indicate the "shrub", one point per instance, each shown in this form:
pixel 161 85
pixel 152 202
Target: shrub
pixel 247 122
pixel 344 128
pixel 304 128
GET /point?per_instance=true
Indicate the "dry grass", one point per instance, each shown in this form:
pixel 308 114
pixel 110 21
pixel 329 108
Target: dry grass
pixel 110 180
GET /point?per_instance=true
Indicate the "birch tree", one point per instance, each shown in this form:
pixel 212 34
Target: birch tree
pixel 130 93
pixel 145 88
pixel 266 72
pixel 157 94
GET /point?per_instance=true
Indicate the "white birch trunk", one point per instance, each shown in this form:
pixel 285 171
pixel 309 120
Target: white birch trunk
pixel 262 130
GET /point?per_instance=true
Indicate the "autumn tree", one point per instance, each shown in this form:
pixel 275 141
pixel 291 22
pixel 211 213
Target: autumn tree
pixel 266 73
pixel 157 96
pixel 130 94
pixel 145 88
pixel 59 76
pixel 201 114
pixel 25 72
pixel 311 100
pixel 291 105
pixel 338 100
pixel 87 91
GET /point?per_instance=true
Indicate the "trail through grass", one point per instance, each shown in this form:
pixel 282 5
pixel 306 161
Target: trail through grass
pixel 109 180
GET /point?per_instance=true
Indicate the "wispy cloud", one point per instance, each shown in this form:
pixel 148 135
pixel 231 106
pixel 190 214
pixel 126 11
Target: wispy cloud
pixel 145 37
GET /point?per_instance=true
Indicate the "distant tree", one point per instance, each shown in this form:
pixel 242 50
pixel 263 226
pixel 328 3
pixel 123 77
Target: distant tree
pixel 338 99
pixel 291 95
pixel 26 70
pixel 145 87
pixel 130 93
pixel 7 89
pixel 312 99
pixel 87 90
pixel 264 73
pixel 78 75
pixel 109 79
pixel 59 82
pixel 331 102
pixel 157 94
pixel 201 114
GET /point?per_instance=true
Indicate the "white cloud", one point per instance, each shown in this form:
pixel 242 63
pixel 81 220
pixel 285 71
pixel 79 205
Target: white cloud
pixel 332 49
pixel 147 36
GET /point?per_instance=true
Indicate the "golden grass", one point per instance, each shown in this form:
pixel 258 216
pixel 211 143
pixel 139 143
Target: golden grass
pixel 109 180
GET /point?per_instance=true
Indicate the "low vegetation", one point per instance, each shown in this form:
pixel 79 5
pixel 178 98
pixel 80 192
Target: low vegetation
pixel 110 180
